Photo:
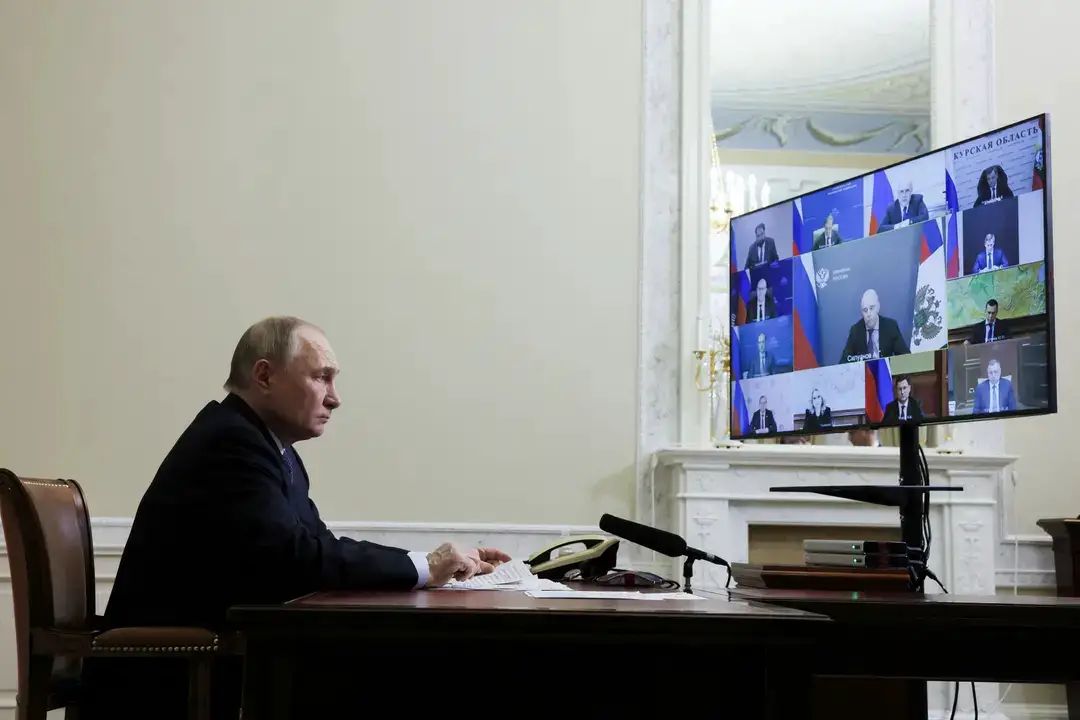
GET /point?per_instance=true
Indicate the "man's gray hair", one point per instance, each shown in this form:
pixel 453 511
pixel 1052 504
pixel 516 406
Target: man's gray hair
pixel 275 339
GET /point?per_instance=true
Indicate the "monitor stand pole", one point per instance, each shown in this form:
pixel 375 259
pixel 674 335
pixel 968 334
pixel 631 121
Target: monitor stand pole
pixel 912 509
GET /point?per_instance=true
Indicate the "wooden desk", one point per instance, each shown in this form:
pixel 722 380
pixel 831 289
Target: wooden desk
pixel 440 650
pixel 939 637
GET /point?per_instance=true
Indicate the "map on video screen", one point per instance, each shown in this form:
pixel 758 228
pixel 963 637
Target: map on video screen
pixel 1020 291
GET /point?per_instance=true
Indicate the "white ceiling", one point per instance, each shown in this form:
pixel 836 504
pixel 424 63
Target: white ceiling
pixel 785 52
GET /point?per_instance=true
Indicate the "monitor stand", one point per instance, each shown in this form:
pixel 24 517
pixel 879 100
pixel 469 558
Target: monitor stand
pixel 911 496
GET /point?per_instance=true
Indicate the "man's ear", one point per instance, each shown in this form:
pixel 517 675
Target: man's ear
pixel 260 374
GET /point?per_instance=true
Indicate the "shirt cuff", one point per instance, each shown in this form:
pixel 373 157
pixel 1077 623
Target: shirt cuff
pixel 423 573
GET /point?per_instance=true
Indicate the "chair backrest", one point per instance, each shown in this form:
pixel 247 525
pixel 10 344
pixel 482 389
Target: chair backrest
pixel 50 554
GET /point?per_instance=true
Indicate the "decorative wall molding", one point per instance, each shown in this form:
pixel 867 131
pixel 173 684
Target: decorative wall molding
pixel 804 129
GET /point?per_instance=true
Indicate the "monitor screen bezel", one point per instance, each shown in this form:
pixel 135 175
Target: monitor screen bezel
pixel 1048 261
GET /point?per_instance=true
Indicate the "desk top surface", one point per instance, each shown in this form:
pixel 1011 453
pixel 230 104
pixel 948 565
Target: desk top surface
pixel 509 604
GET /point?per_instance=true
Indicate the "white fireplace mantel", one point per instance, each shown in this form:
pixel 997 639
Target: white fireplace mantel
pixel 713 496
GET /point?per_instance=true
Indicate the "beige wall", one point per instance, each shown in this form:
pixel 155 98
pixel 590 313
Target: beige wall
pixel 450 189
pixel 1047 483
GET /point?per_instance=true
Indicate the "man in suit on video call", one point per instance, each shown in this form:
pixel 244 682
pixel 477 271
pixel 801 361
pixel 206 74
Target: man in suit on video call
pixel 762 363
pixel 874 335
pixel 996 393
pixel 762 251
pixel 763 420
pixel 227 520
pixel 990 329
pixel 991 258
pixel 907 209
pixel 762 305
pixel 826 236
pixel 903 408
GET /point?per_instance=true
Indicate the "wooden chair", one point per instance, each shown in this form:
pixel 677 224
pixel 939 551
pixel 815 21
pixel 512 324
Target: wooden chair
pixel 51 556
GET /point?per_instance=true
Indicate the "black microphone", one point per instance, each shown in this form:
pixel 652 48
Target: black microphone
pixel 654 539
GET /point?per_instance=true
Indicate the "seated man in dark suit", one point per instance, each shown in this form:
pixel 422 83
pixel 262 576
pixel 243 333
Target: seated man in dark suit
pixel 227 520
pixel 762 362
pixel 763 420
pixel 762 306
pixel 907 209
pixel 991 258
pixel 903 408
pixel 996 393
pixel 762 251
pixel 874 336
pixel 989 330
pixel 826 236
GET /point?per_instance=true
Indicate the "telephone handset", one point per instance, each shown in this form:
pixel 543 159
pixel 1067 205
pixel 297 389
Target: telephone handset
pixel 599 556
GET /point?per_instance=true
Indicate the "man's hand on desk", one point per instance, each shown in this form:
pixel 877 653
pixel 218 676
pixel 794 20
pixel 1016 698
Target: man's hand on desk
pixel 448 562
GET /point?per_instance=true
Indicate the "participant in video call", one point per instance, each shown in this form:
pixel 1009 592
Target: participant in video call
pixel 762 363
pixel 993 185
pixel 875 335
pixel 989 330
pixel 903 408
pixel 762 250
pixel 908 208
pixel 818 416
pixel 762 305
pixel 996 394
pixel 990 258
pixel 826 236
pixel 763 420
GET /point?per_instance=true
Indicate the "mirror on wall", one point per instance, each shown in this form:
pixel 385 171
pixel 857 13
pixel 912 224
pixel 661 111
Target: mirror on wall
pixel 804 95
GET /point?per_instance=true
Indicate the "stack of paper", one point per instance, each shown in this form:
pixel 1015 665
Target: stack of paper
pixel 513 575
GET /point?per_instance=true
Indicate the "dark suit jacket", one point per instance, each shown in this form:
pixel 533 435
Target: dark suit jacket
pixel 754 253
pixel 751 309
pixel 755 421
pixel 890 341
pixel 754 367
pixel 222 524
pixel 981 264
pixel 978 332
pixel 1006 397
pixel 819 238
pixel 917 213
pixel 914 411
pixel 817 422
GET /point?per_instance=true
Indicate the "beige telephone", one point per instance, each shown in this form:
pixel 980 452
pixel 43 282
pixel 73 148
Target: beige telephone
pixel 599 556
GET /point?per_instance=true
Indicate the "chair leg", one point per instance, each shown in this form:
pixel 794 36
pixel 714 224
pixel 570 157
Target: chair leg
pixel 199 689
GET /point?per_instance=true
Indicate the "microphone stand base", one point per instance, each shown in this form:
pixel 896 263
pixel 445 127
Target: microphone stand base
pixel 688 574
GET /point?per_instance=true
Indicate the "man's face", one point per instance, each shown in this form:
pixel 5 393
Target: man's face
pixel 991 177
pixel 762 288
pixel 870 313
pixel 991 313
pixel 301 396
pixel 761 343
pixel 988 243
pixel 828 225
pixel 760 233
pixel 905 193
pixel 993 373
pixel 761 405
pixel 903 389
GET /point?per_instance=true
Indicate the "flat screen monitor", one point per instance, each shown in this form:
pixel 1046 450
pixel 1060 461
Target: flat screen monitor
pixel 920 293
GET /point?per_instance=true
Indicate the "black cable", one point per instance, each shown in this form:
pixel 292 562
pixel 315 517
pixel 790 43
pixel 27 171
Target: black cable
pixel 728 583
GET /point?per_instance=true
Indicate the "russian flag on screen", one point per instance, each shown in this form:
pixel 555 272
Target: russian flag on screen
pixel 930 288
pixel 740 418
pixel 880 200
pixel 879 388
pixel 807 348
pixel 797 242
pixel 952 252
pixel 742 296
